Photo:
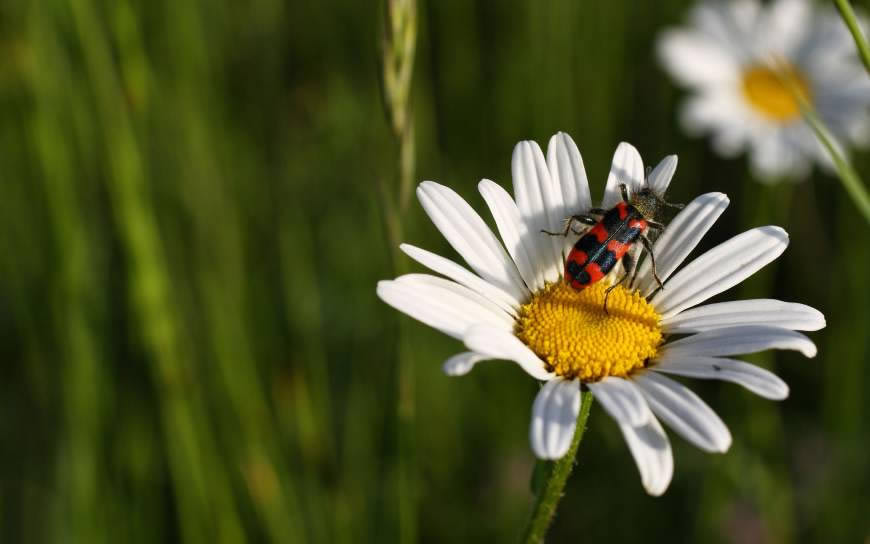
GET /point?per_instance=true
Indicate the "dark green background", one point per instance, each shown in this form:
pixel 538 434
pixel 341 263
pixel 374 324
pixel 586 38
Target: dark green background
pixel 191 231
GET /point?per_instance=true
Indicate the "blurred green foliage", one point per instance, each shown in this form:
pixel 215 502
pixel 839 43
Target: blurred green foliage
pixel 191 237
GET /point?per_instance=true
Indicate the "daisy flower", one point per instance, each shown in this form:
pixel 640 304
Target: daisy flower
pixel 737 59
pixel 516 306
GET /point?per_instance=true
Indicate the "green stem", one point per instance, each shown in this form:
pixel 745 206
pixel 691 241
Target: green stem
pixel 847 174
pixel 547 499
pixel 851 21
pixel 399 42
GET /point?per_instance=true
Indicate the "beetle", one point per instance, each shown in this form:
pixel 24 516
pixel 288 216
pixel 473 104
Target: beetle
pixel 610 236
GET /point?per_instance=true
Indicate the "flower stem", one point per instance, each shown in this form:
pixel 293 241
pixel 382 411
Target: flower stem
pixel 398 48
pixel 851 21
pixel 556 475
pixel 848 175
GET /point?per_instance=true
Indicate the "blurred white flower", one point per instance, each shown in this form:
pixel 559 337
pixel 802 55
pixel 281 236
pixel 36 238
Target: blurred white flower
pixel 735 56
pixel 517 306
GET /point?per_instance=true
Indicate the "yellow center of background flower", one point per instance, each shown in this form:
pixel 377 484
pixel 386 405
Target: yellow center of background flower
pixel 572 333
pixel 772 92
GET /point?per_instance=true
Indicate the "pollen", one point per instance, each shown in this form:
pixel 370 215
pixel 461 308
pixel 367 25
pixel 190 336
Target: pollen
pixel 771 92
pixel 570 331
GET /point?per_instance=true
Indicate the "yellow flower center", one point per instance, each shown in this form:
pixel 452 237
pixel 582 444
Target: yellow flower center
pixel 572 333
pixel 772 92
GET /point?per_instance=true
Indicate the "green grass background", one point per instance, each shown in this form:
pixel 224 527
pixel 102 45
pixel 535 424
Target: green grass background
pixel 192 348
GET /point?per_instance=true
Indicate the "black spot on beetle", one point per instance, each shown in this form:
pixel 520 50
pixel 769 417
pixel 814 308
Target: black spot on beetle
pixel 612 220
pixel 573 268
pixel 588 243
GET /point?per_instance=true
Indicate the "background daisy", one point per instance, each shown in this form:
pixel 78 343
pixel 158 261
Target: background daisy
pixel 733 56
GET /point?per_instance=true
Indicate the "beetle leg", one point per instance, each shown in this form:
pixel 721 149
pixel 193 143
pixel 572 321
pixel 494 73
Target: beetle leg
pixel 564 232
pixel 585 219
pixel 623 190
pixel 647 245
pixel 612 287
pixel 629 264
pixel 655 225
pixel 569 225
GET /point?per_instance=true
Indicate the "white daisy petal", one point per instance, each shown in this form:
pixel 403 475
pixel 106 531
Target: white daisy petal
pixel 720 268
pixel 695 60
pixel 514 232
pixel 716 20
pixel 554 418
pixel 470 237
pixel 539 204
pixel 680 237
pixel 737 341
pixel 627 169
pixel 432 313
pixel 496 343
pixel 462 363
pixel 684 412
pixel 743 13
pixel 754 378
pixel 621 399
pixel 569 176
pixel 660 177
pixel 461 275
pixel 479 306
pixel 788 315
pixel 651 450
pixel 786 22
pixel 732 23
pixel 442 304
pixel 772 156
pixel 727 139
pixel 714 110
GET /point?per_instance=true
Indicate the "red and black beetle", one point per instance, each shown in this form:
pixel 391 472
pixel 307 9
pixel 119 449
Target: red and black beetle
pixel 610 236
